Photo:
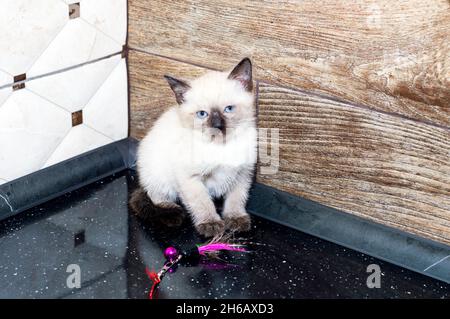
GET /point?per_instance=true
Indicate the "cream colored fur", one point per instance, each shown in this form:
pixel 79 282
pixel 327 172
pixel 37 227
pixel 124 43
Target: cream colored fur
pixel 181 158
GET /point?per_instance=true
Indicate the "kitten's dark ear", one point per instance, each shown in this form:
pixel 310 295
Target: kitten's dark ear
pixel 178 87
pixel 243 73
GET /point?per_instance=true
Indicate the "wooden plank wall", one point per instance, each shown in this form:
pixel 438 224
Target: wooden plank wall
pixel 359 90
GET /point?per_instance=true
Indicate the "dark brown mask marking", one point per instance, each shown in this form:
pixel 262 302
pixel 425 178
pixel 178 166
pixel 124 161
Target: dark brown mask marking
pixel 217 121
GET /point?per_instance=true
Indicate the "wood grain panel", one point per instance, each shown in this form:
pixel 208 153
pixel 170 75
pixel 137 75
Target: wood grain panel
pixel 392 56
pixel 150 95
pixel 381 167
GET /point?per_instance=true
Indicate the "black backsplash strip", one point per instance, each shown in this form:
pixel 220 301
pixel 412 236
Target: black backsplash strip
pixel 41 186
pixel 386 243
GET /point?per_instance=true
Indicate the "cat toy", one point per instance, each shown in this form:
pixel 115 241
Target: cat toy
pixel 189 257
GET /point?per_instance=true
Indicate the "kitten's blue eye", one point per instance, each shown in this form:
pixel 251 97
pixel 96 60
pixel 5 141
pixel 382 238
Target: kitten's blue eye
pixel 202 114
pixel 229 109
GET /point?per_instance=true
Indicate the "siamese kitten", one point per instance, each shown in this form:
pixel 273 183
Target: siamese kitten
pixel 201 150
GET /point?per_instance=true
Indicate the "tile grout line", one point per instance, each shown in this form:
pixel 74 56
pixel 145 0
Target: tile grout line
pixel 46 99
pixel 97 131
pixel 67 68
pixel 102 32
pixel 6 72
pixel 88 62
pixel 101 85
pixel 97 29
pixel 74 66
pixel 44 163
pixel 62 70
pixel 64 109
pixel 96 92
pixel 436 263
pixel 46 48
pixel 87 103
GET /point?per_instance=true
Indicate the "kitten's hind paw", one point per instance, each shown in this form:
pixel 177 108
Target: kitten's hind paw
pixel 166 214
pixel 173 218
pixel 240 223
pixel 211 228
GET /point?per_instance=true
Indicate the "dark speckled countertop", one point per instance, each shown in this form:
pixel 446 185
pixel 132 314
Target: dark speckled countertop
pixel 92 228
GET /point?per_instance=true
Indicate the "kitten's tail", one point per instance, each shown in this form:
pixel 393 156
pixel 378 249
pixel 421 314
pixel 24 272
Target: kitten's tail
pixel 171 215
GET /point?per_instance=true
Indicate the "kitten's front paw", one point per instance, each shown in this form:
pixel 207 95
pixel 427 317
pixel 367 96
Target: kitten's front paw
pixel 211 228
pixel 240 223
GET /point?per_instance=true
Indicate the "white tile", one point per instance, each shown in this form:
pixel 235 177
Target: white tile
pixel 5 78
pixel 27 28
pixel 73 89
pixel 107 111
pixel 79 140
pixel 30 129
pixel 36 38
pixel 109 16
pixel 77 43
pixel 5 93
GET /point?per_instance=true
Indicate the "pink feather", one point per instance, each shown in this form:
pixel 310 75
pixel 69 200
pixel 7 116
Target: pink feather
pixel 219 246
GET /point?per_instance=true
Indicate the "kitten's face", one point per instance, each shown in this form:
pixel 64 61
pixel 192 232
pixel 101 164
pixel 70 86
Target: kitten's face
pixel 217 103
